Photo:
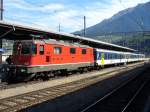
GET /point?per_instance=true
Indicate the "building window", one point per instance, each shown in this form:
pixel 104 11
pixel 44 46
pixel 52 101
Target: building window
pixel 57 50
pixel 83 51
pixel 41 49
pixel 72 50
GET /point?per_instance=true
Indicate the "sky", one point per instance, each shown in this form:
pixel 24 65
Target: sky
pixel 68 13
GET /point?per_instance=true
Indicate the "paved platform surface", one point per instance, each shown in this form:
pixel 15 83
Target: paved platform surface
pixel 42 85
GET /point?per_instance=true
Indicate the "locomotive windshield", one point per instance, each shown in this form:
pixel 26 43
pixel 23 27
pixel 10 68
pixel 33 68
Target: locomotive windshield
pixel 24 48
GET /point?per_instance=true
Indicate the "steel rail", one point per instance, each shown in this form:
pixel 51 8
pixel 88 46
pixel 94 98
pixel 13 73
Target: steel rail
pixel 115 90
pixel 134 96
pixel 108 94
pixel 25 100
pixel 4 85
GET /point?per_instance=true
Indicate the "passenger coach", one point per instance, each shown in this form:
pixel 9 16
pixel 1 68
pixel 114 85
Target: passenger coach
pixel 108 57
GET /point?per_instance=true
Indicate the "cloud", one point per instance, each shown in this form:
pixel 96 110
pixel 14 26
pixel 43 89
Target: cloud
pixel 68 14
pixel 52 7
pixel 23 5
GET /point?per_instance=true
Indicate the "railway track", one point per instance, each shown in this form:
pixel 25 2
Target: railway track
pixel 22 101
pixel 5 85
pixel 124 98
pixel 141 100
pixel 25 100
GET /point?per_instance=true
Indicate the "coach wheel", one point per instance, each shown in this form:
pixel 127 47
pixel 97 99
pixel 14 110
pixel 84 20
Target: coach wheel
pixel 125 64
pixel 98 68
pixel 102 66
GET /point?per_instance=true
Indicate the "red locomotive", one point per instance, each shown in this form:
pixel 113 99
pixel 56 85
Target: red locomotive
pixel 33 58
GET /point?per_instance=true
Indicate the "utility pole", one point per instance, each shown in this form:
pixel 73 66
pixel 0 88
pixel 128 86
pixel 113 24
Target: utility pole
pixel 1 18
pixel 1 9
pixel 84 26
pixel 59 27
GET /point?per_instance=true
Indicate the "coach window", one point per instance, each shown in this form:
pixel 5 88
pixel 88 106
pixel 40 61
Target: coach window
pixel 106 56
pixel 72 50
pixel 41 49
pixel 57 50
pixel 83 51
pixel 109 56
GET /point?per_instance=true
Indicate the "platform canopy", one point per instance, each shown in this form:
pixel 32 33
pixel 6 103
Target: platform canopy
pixel 18 31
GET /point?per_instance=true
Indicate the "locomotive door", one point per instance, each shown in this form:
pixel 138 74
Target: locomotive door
pixel 41 52
pixel 72 53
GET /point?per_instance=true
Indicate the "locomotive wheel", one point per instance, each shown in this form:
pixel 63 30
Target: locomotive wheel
pixel 45 76
pixel 65 73
pixel 81 70
pixel 9 78
pixel 85 70
pixel 13 78
pixel 29 77
pixel 89 69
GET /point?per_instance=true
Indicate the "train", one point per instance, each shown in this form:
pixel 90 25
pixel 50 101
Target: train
pixel 47 57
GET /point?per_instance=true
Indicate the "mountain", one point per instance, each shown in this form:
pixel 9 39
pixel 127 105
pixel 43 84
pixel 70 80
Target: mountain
pixel 129 20
pixel 125 28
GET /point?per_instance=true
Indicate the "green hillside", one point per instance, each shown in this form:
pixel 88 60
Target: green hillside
pixel 139 42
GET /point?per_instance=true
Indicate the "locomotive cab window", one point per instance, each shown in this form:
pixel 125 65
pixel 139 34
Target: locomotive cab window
pixel 83 51
pixel 34 49
pixel 72 50
pixel 57 50
pixel 26 49
pixel 41 49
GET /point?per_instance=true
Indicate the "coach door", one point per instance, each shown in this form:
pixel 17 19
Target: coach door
pixel 102 58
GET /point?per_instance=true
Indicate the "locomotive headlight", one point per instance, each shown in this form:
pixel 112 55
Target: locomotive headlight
pixel 23 70
pixel 26 63
pixel 7 69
